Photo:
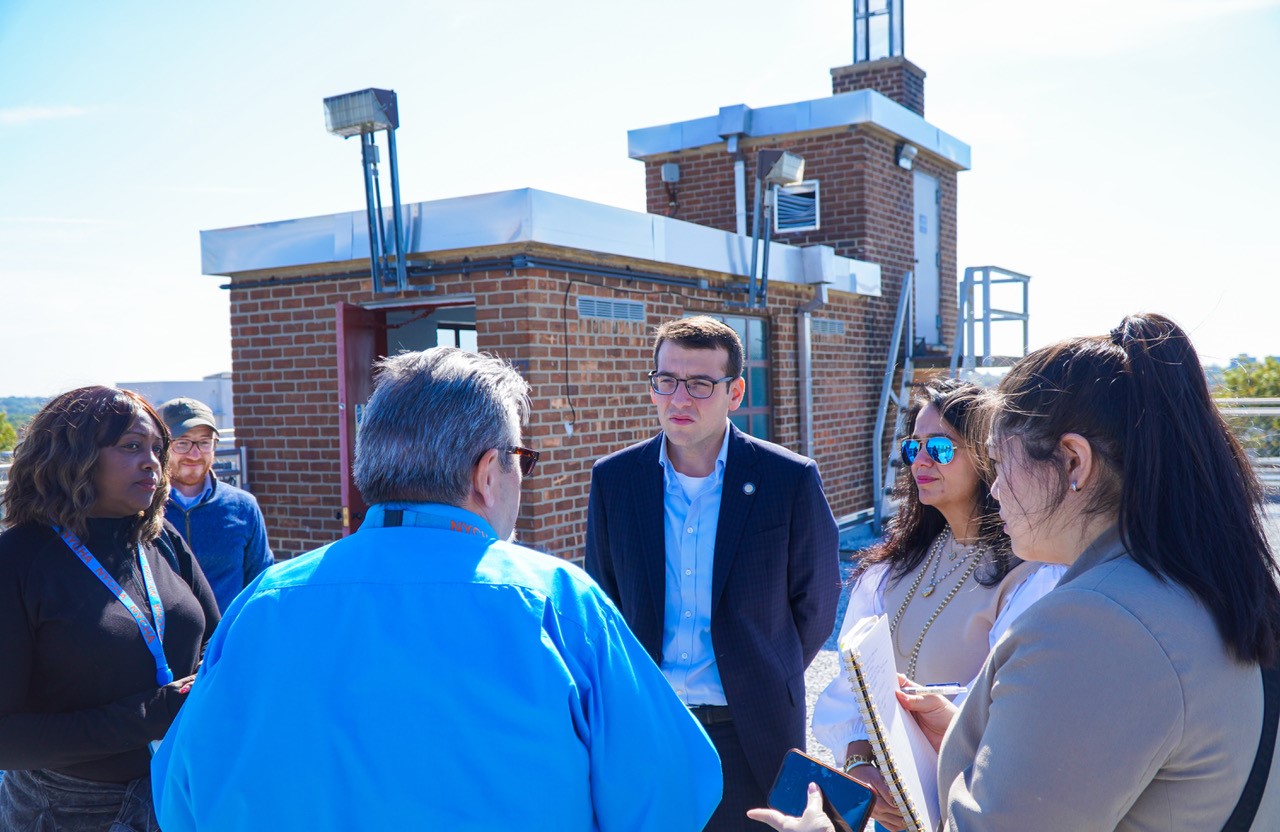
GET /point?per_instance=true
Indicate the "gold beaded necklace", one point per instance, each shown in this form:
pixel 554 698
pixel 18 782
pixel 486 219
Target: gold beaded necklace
pixel 935 554
pixel 937 562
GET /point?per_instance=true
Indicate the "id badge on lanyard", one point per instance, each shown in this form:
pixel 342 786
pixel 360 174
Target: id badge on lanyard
pixel 153 636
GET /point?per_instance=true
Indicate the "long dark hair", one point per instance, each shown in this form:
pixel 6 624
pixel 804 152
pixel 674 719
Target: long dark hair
pixel 51 481
pixel 1188 503
pixel 965 407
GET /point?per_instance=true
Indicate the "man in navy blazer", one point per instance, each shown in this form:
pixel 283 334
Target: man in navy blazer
pixel 722 553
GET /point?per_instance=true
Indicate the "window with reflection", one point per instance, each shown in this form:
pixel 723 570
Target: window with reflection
pixel 755 415
pixel 462 336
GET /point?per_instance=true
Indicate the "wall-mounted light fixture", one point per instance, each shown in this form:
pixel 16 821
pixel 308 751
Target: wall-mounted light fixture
pixel 774 168
pixel 362 114
pixel 907 155
pixel 670 176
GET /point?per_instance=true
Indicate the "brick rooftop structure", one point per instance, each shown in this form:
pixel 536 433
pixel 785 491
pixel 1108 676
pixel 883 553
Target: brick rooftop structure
pixel 552 284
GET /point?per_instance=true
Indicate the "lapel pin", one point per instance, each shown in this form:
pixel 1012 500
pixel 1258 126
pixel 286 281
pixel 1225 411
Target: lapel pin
pixel 748 488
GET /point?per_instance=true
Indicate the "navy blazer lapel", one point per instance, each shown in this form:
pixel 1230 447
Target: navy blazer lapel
pixel 736 500
pixel 647 489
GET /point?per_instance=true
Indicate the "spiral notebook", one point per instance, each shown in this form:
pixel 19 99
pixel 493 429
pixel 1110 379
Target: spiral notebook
pixel 907 760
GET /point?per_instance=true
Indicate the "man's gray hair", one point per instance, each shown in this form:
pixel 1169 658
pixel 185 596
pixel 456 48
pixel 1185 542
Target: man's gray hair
pixel 432 415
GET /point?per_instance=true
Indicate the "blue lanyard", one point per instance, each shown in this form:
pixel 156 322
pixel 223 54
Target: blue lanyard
pixel 153 637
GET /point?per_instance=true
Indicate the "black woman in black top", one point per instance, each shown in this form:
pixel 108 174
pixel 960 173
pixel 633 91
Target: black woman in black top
pixel 104 615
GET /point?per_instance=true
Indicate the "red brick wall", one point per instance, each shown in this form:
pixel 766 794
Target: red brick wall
pixel 285 361
pixel 866 199
pixel 705 192
pixel 284 348
pixel 896 78
pixel 608 391
pixel 867 213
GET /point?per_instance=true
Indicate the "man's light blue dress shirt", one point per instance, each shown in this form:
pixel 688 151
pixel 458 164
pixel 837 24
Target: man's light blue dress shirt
pixel 688 657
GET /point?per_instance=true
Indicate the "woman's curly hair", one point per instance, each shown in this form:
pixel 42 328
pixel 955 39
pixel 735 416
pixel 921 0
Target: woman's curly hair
pixel 51 480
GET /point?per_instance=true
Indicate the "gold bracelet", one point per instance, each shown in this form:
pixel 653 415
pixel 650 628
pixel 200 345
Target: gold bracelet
pixel 854 760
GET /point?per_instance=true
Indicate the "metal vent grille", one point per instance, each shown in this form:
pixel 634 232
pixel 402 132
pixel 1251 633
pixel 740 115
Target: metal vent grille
pixel 611 310
pixel 826 326
pixel 797 208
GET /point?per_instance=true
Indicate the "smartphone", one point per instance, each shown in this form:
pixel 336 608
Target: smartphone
pixel 845 801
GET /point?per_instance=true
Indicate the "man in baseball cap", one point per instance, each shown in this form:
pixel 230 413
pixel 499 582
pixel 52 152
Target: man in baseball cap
pixel 221 523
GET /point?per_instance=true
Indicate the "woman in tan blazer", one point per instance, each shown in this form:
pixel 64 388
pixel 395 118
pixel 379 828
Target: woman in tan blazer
pixel 945 575
pixel 1130 697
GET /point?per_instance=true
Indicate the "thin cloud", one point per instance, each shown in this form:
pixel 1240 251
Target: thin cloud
pixel 19 116
pixel 1200 9
pixel 49 221
pixel 205 189
pixel 1087 27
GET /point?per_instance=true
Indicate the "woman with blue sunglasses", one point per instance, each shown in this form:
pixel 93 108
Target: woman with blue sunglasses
pixel 945 575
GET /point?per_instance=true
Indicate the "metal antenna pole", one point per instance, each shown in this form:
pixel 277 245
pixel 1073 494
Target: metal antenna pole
pixel 769 197
pixel 368 158
pixel 755 248
pixel 382 226
pixel 401 277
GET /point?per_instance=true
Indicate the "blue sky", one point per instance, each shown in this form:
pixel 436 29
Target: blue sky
pixel 1123 153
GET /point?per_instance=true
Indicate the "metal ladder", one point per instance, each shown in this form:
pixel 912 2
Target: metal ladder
pixel 883 473
pixel 965 356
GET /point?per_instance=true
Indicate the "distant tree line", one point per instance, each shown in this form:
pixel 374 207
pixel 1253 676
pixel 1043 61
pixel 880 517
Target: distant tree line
pixel 8 433
pixel 1250 378
pixel 16 411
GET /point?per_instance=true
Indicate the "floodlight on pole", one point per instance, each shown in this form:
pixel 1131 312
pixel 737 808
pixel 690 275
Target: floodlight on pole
pixel 356 113
pixel 787 169
pixel 774 169
pixel 362 114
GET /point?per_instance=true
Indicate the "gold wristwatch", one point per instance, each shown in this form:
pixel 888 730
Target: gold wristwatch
pixel 854 760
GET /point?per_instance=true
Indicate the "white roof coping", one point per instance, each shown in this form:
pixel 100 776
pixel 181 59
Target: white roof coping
pixel 525 215
pixel 844 110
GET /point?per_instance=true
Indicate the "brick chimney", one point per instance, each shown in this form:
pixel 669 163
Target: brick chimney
pixel 896 78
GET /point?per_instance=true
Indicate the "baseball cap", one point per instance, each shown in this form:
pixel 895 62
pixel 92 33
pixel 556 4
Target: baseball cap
pixel 182 414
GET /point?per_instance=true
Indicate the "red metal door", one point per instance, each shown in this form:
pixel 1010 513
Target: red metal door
pixel 362 339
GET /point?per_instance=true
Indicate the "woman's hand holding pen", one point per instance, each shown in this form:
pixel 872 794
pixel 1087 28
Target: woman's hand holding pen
pixel 933 713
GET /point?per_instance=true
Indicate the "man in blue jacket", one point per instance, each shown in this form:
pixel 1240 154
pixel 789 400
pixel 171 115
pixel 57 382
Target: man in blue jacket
pixel 221 523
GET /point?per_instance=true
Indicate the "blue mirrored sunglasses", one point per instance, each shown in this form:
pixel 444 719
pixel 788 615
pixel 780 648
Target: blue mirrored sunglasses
pixel 942 449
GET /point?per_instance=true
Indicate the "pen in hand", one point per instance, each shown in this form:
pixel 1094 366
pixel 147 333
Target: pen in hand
pixel 948 689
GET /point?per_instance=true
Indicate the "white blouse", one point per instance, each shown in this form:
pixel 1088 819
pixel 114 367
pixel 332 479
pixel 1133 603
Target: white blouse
pixel 836 721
